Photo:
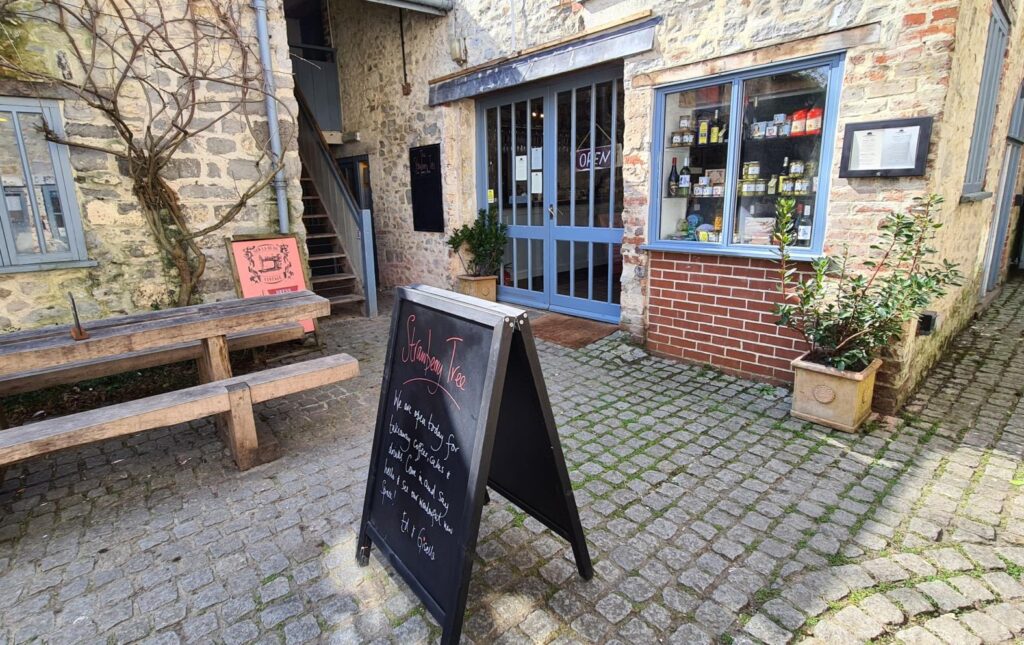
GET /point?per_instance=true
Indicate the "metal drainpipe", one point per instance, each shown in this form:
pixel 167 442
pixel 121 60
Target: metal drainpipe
pixel 270 92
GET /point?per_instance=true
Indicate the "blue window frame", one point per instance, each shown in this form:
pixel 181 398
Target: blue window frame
pixel 729 210
pixel 988 94
pixel 40 226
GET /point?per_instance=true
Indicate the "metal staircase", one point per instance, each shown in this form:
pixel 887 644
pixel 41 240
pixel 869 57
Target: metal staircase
pixel 338 233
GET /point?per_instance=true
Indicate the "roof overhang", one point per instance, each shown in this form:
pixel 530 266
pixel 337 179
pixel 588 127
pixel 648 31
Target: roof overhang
pixel 433 7
pixel 588 49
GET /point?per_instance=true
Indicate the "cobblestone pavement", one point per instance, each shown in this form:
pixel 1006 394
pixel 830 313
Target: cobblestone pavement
pixel 712 516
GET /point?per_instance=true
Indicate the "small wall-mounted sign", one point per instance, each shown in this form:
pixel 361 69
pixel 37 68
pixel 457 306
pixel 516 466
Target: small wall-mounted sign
pixel 425 183
pixel 894 148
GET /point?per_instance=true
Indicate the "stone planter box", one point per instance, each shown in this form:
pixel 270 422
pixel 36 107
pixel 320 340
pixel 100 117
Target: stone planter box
pixel 835 398
pixel 484 287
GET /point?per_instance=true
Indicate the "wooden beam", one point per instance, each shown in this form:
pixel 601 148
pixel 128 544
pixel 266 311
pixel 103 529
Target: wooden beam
pixel 240 426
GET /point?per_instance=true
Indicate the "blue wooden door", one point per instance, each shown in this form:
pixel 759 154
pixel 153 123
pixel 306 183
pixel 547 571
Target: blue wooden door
pixel 550 164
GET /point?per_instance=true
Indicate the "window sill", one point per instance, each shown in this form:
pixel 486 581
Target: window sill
pixel 980 196
pixel 768 253
pixel 48 266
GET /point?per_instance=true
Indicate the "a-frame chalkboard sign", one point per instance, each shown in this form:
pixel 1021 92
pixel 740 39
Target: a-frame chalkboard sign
pixel 462 406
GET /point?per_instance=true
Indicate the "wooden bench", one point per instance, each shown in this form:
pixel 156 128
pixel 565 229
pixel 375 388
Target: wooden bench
pixel 233 397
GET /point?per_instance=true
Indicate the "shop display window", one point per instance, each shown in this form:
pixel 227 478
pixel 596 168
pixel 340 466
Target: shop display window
pixel 727 150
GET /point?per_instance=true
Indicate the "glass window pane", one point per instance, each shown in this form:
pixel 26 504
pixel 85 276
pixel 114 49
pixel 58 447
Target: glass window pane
pixel 44 184
pixel 15 190
pixel 521 176
pixel 537 265
pixel 581 154
pixel 564 160
pixel 493 154
pixel 536 161
pixel 506 265
pixel 522 266
pixel 780 152
pixel 580 270
pixel 602 272
pixel 602 153
pixel 563 267
pixel 694 163
pixel 505 175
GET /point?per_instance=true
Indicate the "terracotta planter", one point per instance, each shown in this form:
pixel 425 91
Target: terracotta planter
pixel 484 287
pixel 835 398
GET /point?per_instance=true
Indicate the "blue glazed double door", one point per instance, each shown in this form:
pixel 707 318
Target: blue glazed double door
pixel 550 165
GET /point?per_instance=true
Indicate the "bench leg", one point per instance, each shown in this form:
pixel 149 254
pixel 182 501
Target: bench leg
pixel 240 427
pixel 214 365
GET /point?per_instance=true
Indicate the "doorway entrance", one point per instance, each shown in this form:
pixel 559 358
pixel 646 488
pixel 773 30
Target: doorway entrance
pixel 550 164
pixel 355 171
pixel 1005 197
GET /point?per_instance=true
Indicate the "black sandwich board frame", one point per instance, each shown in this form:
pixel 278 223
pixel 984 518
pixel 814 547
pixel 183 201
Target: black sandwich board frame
pixel 511 343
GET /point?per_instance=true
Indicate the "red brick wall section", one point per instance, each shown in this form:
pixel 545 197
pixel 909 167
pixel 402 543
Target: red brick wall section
pixel 718 310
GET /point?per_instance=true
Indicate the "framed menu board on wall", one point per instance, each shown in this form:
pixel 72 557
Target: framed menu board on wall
pixel 894 148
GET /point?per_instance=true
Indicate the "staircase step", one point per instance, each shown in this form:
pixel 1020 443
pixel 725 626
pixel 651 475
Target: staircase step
pixel 337 277
pixel 347 299
pixel 314 215
pixel 319 236
pixel 325 256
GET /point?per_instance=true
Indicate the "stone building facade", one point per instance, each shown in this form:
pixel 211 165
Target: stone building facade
pixel 122 270
pixel 910 58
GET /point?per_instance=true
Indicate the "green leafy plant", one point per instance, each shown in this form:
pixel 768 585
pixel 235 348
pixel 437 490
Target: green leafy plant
pixel 847 317
pixel 485 239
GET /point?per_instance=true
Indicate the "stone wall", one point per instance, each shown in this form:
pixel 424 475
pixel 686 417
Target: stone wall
pixel 129 273
pixel 903 59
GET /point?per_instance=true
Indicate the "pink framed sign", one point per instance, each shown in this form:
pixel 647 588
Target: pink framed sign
pixel 264 266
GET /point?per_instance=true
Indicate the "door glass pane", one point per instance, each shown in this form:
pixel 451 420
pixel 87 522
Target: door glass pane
pixel 505 184
pixel 602 154
pixel 564 160
pixel 537 265
pixel 581 269
pixel 536 161
pixel 506 265
pixel 616 273
pixel 600 272
pixel 563 267
pixel 694 162
pixel 780 152
pixel 521 173
pixel 522 274
pixel 620 125
pixel 492 156
pixel 582 153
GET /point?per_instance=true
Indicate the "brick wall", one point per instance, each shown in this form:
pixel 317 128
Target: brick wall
pixel 718 310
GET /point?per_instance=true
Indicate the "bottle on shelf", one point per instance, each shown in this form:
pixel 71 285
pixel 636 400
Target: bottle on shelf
pixel 804 221
pixel 673 180
pixel 716 129
pixel 684 178
pixel 799 123
pixel 773 184
pixel 814 116
pixel 785 166
pixel 703 129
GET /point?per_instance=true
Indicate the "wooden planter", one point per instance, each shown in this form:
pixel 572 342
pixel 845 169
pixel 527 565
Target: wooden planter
pixel 484 287
pixel 835 398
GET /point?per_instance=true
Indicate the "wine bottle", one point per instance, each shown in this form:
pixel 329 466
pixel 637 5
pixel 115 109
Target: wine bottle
pixel 673 180
pixel 716 129
pixel 684 178
pixel 803 230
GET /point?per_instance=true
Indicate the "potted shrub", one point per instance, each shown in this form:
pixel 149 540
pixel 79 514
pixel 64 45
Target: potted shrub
pixel 846 316
pixel 485 240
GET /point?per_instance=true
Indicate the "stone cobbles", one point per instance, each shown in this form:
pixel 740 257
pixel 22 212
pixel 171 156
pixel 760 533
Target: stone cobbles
pixel 712 516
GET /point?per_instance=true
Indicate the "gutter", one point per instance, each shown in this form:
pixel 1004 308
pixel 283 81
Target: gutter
pixel 269 94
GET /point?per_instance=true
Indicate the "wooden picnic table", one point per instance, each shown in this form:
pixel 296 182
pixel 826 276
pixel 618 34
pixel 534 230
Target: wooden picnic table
pixel 210 324
pixel 126 342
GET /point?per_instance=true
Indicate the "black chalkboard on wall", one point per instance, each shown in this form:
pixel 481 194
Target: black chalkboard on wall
pixel 463 405
pixel 425 183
